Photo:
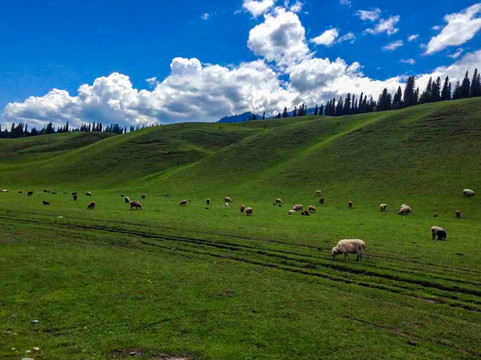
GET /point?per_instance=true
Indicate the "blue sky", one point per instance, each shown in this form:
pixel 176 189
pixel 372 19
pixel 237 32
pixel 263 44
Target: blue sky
pixel 64 44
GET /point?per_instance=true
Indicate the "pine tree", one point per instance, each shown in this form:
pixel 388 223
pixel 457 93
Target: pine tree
pixel 316 110
pixel 321 110
pixel 466 86
pixel 475 84
pixel 445 92
pixel 397 99
pixel 284 114
pixel 457 91
pixel 294 114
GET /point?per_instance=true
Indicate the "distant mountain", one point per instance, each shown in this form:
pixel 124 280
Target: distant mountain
pixel 236 118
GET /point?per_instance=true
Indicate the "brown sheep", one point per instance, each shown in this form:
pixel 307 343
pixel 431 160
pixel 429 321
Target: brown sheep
pixel 183 203
pixel 30 193
pixel 91 205
pixel 458 213
pixel 143 196
pixel 383 207
pixel 208 201
pixel 278 201
pixel 242 208
pixel 88 193
pixel 135 205
pixel 45 202
pixel 312 208
pixel 349 203
pixel 248 211
pixel 227 199
pixel 321 200
pixel 318 192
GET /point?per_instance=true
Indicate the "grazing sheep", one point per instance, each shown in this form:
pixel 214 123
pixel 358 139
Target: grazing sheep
pixel 349 203
pixel 91 205
pixel 135 205
pixel 439 232
pixel 20 191
pixel 305 213
pixel 405 210
pixel 291 212
pixel 278 201
pixel 468 192
pixel 46 191
pixel 318 192
pixel 458 213
pixel 349 246
pixel 435 214
pixel 30 193
pixel 242 208
pixel 321 200
pixel 88 193
pixel 312 208
pixel 4 191
pixel 248 211
pixel 45 202
pixel 208 201
pixel 127 200
pixel 227 199
pixel 183 203
pixel 298 207
pixel 226 204
pixel 143 196
pixel 74 197
pixel 383 207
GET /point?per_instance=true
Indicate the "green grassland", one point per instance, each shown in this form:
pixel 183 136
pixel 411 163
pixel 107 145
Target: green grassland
pixel 211 283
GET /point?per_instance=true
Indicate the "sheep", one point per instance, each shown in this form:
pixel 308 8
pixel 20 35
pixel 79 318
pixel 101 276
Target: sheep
pixel 298 207
pixel 405 210
pixel 4 190
pixel 91 205
pixel 226 204
pixel 54 192
pixel 242 208
pixel 349 203
pixel 46 191
pixel 20 191
pixel 143 196
pixel 127 200
pixel 135 205
pixel 30 193
pixel 305 213
pixel 435 214
pixel 88 193
pixel 468 192
pixel 291 212
pixel 45 202
pixel 183 203
pixel 318 192
pixel 458 213
pixel 278 201
pixel 312 208
pixel 208 201
pixel 349 246
pixel 74 197
pixel 321 200
pixel 439 232
pixel 227 199
pixel 383 206
pixel 248 211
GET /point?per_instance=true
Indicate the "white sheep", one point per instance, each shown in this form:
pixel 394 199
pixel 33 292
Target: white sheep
pixel 349 246
pixel 383 207
pixel 405 210
pixel 298 207
pixel 468 192
pixel 439 232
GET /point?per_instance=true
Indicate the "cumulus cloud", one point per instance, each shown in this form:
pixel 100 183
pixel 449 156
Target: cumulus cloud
pixel 387 26
pixel 280 38
pixel 408 61
pixel 369 15
pixel 413 37
pixel 393 46
pixel 258 7
pixel 460 27
pixel 327 38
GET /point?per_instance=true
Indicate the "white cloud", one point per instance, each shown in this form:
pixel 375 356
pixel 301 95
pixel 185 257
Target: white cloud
pixel 327 38
pixel 408 61
pixel 280 38
pixel 393 46
pixel 436 27
pixel 456 54
pixel 413 37
pixel 385 25
pixel 153 82
pixel 297 6
pixel 345 2
pixel 369 15
pixel 347 37
pixel 460 27
pixel 258 7
pixel 205 16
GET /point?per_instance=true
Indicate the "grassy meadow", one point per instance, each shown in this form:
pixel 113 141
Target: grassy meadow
pixel 208 282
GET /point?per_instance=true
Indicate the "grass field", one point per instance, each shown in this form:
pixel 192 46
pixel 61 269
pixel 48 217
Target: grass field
pixel 211 283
